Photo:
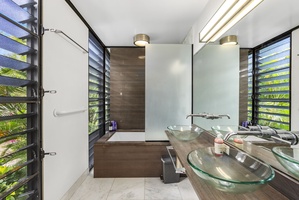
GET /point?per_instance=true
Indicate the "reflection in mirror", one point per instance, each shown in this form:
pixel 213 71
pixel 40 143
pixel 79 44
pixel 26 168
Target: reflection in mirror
pixel 255 140
pixel 267 103
pixel 268 83
pixel 245 92
pixel 216 84
pixel 289 158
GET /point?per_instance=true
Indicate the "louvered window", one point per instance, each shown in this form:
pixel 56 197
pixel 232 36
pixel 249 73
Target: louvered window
pixel 96 94
pixel 107 90
pixel 19 102
pixel 250 91
pixel 271 101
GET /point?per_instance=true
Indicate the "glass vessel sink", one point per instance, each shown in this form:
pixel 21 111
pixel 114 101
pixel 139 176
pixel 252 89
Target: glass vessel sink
pixel 233 171
pixel 225 129
pixel 185 132
pixel 288 157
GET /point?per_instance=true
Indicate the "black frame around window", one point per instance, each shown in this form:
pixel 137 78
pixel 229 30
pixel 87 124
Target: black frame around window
pixel 20 100
pixel 107 90
pixel 269 93
pixel 99 93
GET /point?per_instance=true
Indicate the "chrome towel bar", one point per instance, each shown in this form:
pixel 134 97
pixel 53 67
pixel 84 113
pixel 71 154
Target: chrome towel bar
pixel 63 113
pixel 179 169
pixel 60 31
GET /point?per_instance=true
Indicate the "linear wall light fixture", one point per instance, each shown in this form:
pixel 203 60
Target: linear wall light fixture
pixel 229 13
pixel 141 40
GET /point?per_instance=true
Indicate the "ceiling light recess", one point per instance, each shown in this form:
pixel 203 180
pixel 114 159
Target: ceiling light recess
pixel 229 40
pixel 229 13
pixel 141 40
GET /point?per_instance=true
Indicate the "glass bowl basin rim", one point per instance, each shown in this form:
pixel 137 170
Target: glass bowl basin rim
pixel 284 156
pixel 172 126
pixel 271 176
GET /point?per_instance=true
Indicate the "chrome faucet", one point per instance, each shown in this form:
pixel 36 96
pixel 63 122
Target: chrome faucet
pixel 208 116
pixel 211 116
pixel 230 134
pixel 266 132
pixel 260 131
pixel 197 115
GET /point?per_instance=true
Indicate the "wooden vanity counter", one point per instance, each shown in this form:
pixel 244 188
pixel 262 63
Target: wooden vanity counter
pixel 205 191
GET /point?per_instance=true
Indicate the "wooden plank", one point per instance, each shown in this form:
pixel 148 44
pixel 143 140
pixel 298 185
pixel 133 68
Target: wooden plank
pixel 130 152
pixel 128 159
pixel 129 168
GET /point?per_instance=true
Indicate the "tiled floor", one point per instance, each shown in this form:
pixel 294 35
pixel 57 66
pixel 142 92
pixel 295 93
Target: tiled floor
pixel 133 189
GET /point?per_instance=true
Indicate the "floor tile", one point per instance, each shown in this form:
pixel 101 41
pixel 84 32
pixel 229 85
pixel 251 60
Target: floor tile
pixel 155 189
pixel 93 189
pixel 127 189
pixel 186 190
pixel 133 189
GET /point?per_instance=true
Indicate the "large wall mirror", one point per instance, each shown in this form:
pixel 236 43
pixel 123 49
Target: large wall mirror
pixel 216 85
pixel 222 84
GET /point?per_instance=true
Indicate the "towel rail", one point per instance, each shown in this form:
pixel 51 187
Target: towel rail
pixel 60 31
pixel 179 169
pixel 63 113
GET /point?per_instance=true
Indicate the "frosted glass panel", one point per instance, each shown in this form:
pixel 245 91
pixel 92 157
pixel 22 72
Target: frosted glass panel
pixel 168 88
pixel 216 84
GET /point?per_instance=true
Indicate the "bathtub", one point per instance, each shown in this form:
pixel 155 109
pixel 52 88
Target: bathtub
pixel 127 136
pixel 127 154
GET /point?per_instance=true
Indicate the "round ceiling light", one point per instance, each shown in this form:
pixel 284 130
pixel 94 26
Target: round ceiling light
pixel 229 40
pixel 141 40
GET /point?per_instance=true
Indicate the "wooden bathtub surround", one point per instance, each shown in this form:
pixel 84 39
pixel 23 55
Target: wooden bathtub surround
pixel 130 130
pixel 128 159
pixel 205 191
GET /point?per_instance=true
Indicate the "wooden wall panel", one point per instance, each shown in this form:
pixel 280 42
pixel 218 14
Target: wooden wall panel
pixel 128 159
pixel 127 105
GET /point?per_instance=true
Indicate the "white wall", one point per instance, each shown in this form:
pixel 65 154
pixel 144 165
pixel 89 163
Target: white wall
pixel 294 79
pixel 193 36
pixel 65 69
pixel 167 88
pixel 216 84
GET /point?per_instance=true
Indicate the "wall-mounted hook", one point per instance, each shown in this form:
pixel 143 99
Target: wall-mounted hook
pixel 42 92
pixel 43 153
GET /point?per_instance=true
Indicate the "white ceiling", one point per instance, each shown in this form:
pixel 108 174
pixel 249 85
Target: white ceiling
pixel 117 21
pixel 169 21
pixel 270 19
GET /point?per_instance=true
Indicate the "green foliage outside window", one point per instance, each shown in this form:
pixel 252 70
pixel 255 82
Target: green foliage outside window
pixel 12 143
pixel 93 122
pixel 272 96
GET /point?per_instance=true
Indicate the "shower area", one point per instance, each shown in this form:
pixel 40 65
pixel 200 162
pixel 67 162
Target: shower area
pixel 147 94
pixel 121 152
